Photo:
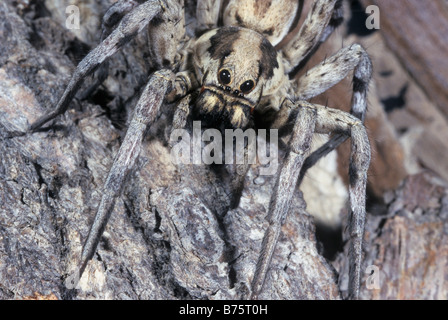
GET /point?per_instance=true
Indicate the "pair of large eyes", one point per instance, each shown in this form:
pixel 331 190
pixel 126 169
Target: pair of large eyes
pixel 225 78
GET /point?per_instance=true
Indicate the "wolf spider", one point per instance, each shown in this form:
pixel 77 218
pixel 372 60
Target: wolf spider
pixel 237 76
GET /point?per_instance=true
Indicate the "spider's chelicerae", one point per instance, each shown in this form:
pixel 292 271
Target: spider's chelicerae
pixel 230 76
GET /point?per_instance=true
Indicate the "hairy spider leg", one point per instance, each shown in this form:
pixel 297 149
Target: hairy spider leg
pixel 132 23
pixel 325 75
pixel 145 114
pixel 284 189
pixel 321 21
pixel 207 15
pixel 312 118
pixel 323 18
pixel 110 21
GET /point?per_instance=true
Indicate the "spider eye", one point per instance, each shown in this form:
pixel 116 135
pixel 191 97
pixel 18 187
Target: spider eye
pixel 247 86
pixel 225 77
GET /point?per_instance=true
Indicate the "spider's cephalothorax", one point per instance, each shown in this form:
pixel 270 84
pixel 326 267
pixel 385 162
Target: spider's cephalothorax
pixel 235 71
pixel 236 68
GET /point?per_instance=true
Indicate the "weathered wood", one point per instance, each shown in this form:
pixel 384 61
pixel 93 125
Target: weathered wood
pixel 411 78
pixel 153 247
pixel 417 31
pixel 171 234
pixel 409 250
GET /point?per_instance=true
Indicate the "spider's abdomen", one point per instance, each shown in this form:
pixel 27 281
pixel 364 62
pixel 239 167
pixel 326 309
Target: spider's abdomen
pixel 272 18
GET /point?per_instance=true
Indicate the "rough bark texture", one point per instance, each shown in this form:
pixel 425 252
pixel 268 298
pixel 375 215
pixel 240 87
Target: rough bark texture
pixel 417 99
pixel 172 235
pixel 417 32
pixel 409 245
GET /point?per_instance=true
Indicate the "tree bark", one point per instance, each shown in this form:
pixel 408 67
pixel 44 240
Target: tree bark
pixel 172 234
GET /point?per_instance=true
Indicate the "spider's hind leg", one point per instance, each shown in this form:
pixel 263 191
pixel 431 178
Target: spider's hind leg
pixel 132 23
pixel 111 19
pixel 207 15
pixel 324 17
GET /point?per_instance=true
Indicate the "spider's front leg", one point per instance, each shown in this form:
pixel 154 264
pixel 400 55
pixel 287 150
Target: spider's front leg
pixel 169 25
pixel 314 118
pixel 146 111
